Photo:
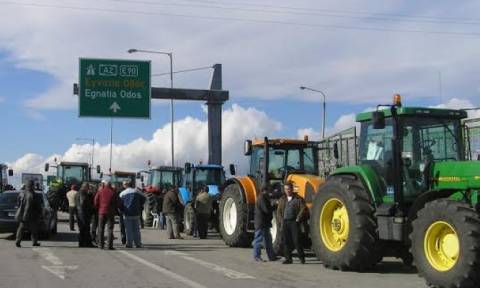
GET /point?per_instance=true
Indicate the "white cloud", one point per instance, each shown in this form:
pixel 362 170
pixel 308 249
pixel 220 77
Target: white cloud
pixel 456 103
pixel 266 61
pixel 238 125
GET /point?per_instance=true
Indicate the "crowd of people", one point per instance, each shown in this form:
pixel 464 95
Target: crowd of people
pixel 95 212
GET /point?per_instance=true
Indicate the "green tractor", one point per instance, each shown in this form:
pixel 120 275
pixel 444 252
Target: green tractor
pixel 160 179
pixel 412 195
pixel 68 173
pixel 4 178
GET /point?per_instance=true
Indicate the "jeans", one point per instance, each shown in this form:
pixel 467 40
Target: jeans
pixel 132 230
pixel 172 226
pixel 263 236
pixel 102 221
pixel 201 225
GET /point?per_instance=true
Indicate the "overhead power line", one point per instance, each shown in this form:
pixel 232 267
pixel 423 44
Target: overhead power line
pixel 238 19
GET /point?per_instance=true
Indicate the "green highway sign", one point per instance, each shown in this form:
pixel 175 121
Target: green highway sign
pixel 114 88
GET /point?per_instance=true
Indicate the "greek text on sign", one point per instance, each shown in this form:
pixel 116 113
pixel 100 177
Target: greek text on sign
pixel 114 88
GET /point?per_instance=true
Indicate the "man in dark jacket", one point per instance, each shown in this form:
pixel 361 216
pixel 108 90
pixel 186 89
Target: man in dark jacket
pixel 203 210
pixel 28 213
pixel 263 223
pixel 133 201
pixel 292 211
pixel 171 208
pixel 84 211
pixel 106 202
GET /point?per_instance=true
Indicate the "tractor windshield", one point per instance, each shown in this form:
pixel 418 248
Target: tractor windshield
pixel 120 178
pixel 290 158
pixel 72 173
pixel 205 176
pixel 165 178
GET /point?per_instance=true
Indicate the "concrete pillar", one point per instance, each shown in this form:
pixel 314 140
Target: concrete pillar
pixel 215 119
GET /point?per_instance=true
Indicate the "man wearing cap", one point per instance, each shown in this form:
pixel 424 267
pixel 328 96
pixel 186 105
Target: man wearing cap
pixel 133 201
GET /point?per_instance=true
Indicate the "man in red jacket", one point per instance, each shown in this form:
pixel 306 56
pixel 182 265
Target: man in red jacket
pixel 106 201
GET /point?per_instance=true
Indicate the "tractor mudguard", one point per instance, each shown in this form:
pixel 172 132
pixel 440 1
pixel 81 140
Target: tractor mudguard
pixel 185 195
pixel 248 188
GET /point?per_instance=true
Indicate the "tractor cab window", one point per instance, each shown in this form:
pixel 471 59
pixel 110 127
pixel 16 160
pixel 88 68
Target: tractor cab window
pixel 209 176
pixel 376 149
pixel 72 173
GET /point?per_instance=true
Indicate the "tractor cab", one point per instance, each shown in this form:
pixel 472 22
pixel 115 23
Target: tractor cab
pixel 273 160
pixel 4 177
pixel 404 143
pixel 119 177
pixel 163 177
pixel 197 176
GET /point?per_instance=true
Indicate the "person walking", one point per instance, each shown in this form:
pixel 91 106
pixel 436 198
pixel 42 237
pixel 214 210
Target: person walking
pixel 71 206
pixel 133 201
pixel 84 211
pixel 171 208
pixel 106 202
pixel 263 222
pixel 293 212
pixel 28 213
pixel 203 210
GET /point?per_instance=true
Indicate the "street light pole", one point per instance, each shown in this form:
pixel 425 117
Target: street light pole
pixel 324 107
pixel 172 111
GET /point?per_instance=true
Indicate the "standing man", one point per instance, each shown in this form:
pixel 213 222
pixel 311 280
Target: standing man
pixel 71 206
pixel 118 189
pixel 133 201
pixel 28 213
pixel 106 202
pixel 263 223
pixel 85 210
pixel 203 210
pixel 94 226
pixel 293 211
pixel 171 208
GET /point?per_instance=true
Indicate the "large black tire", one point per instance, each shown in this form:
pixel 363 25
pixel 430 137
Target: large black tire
pixel 57 199
pixel 189 219
pixel 357 251
pixel 277 239
pixel 464 270
pixel 149 206
pixel 234 217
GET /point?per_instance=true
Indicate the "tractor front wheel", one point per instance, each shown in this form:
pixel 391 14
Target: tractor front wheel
pixel 343 226
pixel 234 217
pixel 445 244
pixel 149 206
pixel 189 219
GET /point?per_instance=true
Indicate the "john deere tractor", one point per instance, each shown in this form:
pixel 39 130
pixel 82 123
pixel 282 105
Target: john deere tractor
pixel 195 177
pixel 160 179
pixel 412 195
pixel 272 163
pixel 4 178
pixel 68 173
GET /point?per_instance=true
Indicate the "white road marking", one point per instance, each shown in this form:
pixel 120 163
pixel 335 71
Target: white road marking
pixel 58 269
pixel 229 273
pixel 166 272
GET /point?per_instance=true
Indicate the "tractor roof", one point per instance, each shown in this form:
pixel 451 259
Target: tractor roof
pixel 122 173
pixel 167 168
pixel 73 164
pixel 3 166
pixel 417 111
pixel 281 141
pixel 208 166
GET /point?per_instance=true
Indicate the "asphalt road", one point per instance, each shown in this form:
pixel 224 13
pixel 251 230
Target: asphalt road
pixel 190 263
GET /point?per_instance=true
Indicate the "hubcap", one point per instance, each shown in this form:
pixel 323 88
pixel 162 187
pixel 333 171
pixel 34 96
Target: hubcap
pixel 229 216
pixel 442 246
pixel 334 224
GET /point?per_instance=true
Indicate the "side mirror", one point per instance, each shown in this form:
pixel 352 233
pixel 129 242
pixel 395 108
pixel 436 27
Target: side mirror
pixel 233 171
pixel 335 150
pixel 138 175
pixel 101 175
pixel 247 149
pixel 10 172
pixel 188 168
pixel 98 169
pixel 378 120
pixel 142 179
pixel 47 166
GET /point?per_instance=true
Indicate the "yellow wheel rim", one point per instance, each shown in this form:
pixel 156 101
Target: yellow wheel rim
pixel 442 246
pixel 334 224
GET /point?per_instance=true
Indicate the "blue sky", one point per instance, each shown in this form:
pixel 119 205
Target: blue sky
pixel 358 52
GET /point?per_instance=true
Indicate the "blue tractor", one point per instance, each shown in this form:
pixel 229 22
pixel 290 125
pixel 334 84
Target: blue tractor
pixel 195 177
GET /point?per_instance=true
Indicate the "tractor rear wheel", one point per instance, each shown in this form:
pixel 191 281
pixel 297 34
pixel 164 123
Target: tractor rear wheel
pixel 343 226
pixel 150 204
pixel 234 217
pixel 276 233
pixel 445 244
pixel 189 219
